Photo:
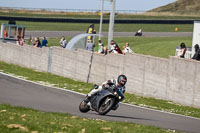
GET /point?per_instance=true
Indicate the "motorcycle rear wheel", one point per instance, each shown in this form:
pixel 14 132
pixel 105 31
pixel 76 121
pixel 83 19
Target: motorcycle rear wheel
pixel 106 105
pixel 83 107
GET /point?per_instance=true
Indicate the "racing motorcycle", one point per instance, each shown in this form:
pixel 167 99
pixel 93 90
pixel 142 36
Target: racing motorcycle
pixel 103 101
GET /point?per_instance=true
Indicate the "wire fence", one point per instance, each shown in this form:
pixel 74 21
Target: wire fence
pixel 71 10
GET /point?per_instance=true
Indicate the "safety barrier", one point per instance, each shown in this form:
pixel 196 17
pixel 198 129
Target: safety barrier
pixel 71 20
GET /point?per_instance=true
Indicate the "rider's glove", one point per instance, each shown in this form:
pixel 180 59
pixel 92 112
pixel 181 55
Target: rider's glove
pixel 105 86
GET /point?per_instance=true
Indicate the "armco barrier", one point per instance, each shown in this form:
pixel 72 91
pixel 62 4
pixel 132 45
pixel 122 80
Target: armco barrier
pixel 171 79
pixel 120 21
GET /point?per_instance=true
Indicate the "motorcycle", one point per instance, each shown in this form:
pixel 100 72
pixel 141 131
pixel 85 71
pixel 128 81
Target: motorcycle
pixel 103 101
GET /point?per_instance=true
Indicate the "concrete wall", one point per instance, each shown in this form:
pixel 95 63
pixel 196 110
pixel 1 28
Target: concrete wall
pixel 72 64
pixel 184 81
pixel 26 56
pixel 171 79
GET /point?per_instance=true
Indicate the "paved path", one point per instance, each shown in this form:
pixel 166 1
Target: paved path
pixel 105 34
pixel 22 93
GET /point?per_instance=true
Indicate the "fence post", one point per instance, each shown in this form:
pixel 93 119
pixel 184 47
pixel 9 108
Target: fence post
pixel 90 65
pixel 50 59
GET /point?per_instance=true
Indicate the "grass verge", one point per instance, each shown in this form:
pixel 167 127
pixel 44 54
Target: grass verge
pixel 53 26
pixel 19 120
pixel 78 86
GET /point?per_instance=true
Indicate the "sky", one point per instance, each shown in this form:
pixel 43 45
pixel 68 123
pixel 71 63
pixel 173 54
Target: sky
pixel 139 5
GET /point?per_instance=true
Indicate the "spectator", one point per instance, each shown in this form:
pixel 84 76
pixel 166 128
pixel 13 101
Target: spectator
pixel 139 32
pixel 197 53
pixel 127 49
pixel 44 42
pixel 36 42
pixel 21 41
pixel 105 50
pixel 63 42
pixel 183 50
pixel 114 48
pixel 100 47
pixel 18 40
pixel 90 46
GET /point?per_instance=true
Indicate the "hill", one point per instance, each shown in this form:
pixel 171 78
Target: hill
pixel 180 6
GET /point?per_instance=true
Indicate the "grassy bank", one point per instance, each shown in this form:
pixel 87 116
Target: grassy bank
pixel 20 120
pixel 78 86
pixel 89 15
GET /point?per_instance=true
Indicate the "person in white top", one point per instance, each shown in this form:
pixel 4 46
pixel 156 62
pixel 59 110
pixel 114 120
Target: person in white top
pixel 63 42
pixel 100 47
pixel 127 49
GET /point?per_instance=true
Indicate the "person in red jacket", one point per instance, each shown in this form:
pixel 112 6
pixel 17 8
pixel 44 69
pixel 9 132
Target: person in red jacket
pixel 114 48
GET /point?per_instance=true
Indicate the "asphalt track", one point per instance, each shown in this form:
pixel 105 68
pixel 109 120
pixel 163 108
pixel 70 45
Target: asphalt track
pixel 19 92
pixel 105 34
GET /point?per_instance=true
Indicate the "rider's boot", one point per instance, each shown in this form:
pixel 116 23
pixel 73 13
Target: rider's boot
pixel 115 107
pixel 88 98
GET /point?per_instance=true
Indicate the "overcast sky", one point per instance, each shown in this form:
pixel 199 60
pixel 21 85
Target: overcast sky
pixel 85 4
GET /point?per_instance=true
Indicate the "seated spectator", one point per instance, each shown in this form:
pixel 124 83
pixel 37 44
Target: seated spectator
pixel 100 47
pixel 36 42
pixel 44 42
pixel 18 40
pixel 127 49
pixel 139 33
pixel 90 46
pixel 63 42
pixel 197 53
pixel 21 41
pixel 105 50
pixel 183 50
pixel 114 48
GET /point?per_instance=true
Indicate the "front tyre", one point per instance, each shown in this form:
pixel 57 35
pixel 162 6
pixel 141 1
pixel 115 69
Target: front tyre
pixel 106 105
pixel 83 107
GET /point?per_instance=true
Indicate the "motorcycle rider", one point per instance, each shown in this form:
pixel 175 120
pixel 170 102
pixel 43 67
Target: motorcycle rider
pixel 118 84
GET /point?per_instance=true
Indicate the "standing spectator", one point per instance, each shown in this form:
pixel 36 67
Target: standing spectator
pixel 63 42
pixel 100 47
pixel 127 49
pixel 21 41
pixel 44 42
pixel 114 48
pixel 197 53
pixel 90 46
pixel 183 50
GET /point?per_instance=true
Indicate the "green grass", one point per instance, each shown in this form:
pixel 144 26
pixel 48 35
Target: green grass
pixel 154 46
pixel 52 26
pixel 78 86
pixel 19 120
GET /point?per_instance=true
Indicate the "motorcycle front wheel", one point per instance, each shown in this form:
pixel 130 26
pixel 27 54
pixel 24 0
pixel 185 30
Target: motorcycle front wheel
pixel 106 105
pixel 83 107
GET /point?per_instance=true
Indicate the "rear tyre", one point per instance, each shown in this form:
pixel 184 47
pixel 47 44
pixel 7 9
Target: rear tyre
pixel 106 105
pixel 83 107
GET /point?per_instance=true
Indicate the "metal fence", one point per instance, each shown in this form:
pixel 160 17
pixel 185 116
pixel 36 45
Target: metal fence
pixel 185 12
pixel 71 10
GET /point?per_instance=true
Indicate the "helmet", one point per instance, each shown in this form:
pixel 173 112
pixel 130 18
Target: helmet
pixel 122 79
